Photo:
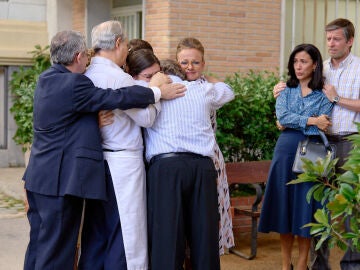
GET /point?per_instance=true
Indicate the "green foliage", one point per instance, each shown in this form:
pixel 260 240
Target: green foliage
pixel 22 86
pixel 340 197
pixel 241 190
pixel 246 126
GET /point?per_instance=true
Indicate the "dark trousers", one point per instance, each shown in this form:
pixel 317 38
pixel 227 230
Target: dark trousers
pixel 182 206
pixel 102 246
pixel 351 259
pixel 320 258
pixel 54 227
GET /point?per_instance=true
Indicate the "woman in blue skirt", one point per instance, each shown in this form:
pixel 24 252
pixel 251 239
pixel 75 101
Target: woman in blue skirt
pixel 301 109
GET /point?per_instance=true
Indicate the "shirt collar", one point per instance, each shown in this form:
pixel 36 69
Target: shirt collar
pixel 344 63
pixel 105 61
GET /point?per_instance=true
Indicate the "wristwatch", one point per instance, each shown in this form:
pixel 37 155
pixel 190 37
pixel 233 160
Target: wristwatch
pixel 336 99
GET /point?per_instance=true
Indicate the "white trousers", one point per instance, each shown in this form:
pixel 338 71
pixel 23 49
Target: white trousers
pixel 129 179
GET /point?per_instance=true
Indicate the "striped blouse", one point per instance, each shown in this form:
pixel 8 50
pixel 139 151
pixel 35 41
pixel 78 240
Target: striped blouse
pixel 184 124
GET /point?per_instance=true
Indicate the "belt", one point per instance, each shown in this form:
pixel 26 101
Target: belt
pixel 111 150
pixel 339 138
pixel 174 154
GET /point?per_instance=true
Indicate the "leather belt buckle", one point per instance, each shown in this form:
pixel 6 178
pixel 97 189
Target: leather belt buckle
pixel 111 150
pixel 173 154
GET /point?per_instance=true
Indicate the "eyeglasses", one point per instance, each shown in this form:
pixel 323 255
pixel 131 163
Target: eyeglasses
pixel 147 75
pixel 193 63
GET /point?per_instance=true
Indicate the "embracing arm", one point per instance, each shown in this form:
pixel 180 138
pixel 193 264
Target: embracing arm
pixel 350 104
pixel 223 94
pixel 280 86
pixel 88 98
pixel 168 90
pixel 145 117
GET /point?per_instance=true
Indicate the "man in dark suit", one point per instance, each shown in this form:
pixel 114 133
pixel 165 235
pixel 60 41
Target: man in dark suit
pixel 66 164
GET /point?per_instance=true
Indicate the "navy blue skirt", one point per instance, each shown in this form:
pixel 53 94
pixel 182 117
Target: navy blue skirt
pixel 285 209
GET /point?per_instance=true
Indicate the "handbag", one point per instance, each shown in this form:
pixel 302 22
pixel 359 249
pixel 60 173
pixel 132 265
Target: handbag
pixel 313 151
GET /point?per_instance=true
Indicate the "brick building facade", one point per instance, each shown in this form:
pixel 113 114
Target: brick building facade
pixel 237 36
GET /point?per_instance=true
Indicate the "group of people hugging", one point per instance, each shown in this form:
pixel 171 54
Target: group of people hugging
pixel 166 209
pixel 163 202
pixel 124 153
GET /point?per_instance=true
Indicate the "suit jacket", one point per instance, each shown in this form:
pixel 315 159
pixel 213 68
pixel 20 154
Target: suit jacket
pixel 66 155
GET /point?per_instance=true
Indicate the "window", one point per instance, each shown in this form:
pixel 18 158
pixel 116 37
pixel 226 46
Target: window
pixel 305 21
pixel 131 19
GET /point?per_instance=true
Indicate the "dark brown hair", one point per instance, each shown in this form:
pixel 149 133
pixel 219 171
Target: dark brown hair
pixel 137 44
pixel 139 60
pixel 317 79
pixel 171 67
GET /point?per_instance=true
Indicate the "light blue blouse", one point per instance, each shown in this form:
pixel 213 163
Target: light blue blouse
pixel 293 110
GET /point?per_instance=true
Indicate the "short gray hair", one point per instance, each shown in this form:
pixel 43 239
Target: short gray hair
pixel 104 35
pixel 65 45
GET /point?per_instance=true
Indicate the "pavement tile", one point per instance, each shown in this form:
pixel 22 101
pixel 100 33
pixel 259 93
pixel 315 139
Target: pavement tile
pixel 14 233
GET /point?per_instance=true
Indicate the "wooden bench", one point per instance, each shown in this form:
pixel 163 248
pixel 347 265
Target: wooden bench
pixel 252 173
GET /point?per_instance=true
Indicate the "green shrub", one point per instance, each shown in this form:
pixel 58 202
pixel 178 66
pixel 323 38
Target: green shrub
pixel 22 86
pixel 246 126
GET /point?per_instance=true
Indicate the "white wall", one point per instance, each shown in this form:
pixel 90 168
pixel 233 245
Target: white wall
pixel 23 10
pixel 59 16
pixel 22 25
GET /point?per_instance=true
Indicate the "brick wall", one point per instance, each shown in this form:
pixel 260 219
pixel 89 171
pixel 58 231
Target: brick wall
pixel 79 15
pixel 237 35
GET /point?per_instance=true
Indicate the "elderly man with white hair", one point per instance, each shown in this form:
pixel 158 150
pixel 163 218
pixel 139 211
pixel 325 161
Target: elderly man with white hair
pixel 119 226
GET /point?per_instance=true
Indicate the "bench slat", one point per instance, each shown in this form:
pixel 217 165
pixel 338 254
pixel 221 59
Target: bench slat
pixel 254 173
pixel 246 212
pixel 248 172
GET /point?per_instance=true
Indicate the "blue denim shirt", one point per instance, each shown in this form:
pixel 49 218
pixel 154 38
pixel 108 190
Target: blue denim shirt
pixel 293 110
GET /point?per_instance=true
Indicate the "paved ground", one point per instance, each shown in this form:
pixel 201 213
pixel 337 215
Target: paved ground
pixel 14 231
pixel 14 227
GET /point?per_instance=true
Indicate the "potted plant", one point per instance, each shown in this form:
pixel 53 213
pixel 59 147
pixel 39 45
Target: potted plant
pixel 22 86
pixel 340 197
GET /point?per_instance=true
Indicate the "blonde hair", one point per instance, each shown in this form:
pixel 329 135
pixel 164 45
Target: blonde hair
pixel 190 43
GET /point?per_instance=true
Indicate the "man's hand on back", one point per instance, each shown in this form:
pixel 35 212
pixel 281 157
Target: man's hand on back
pixel 168 90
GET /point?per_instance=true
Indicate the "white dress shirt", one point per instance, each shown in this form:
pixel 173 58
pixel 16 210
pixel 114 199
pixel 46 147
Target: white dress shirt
pixel 125 131
pixel 126 167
